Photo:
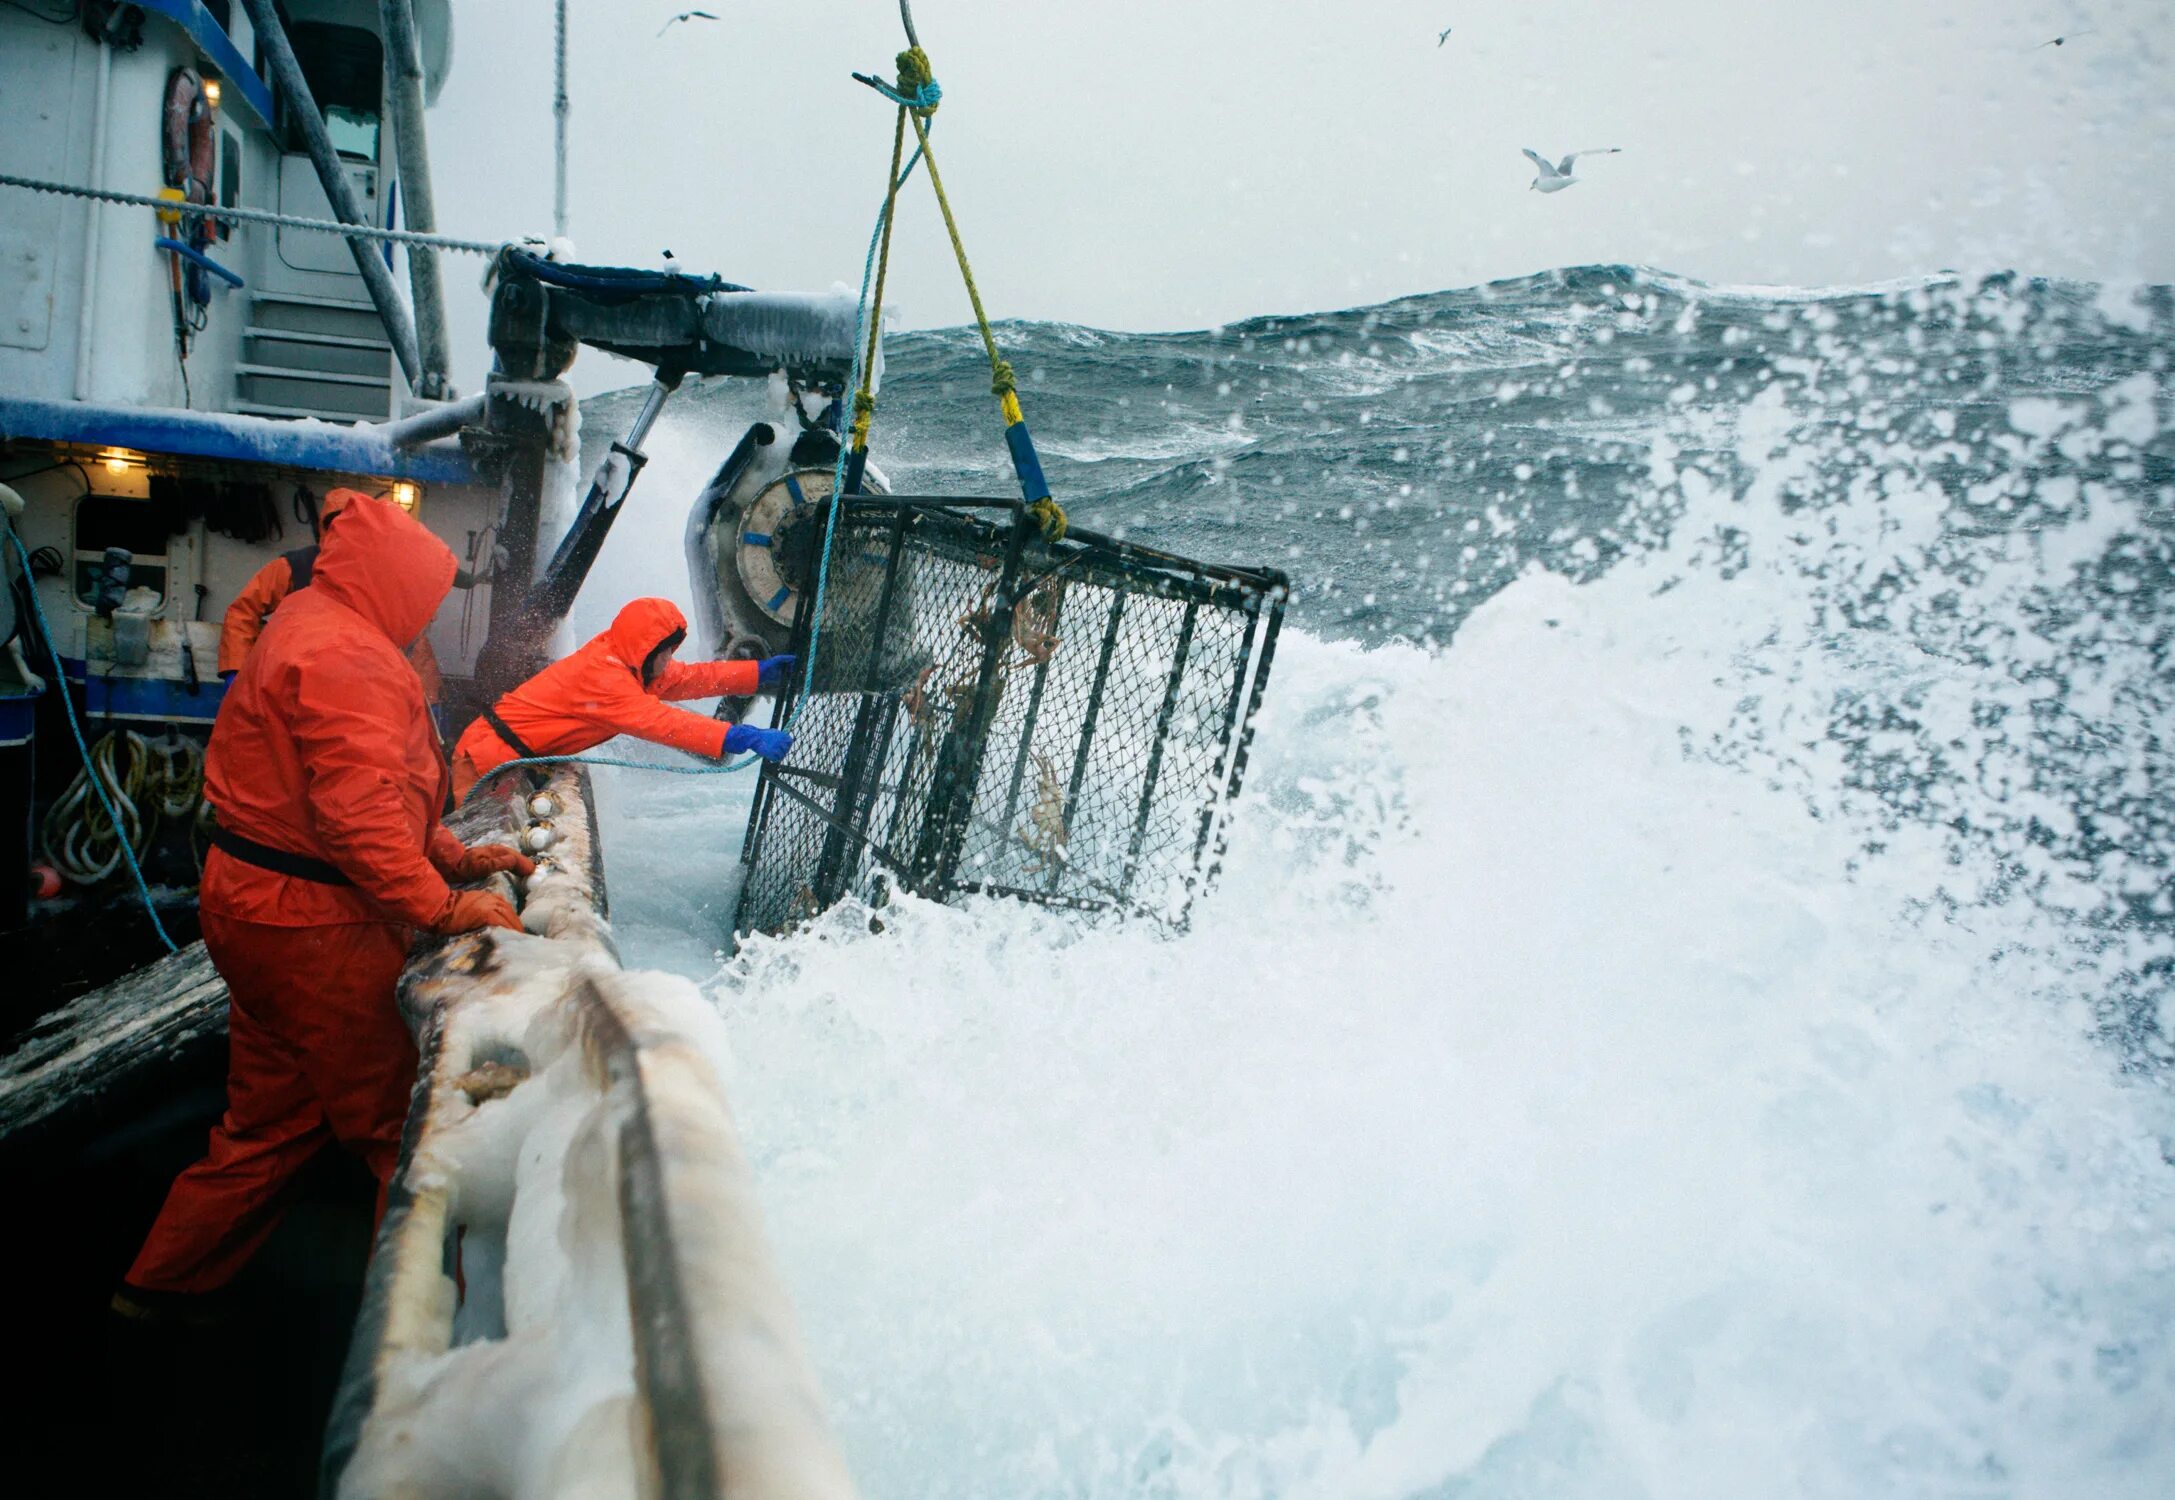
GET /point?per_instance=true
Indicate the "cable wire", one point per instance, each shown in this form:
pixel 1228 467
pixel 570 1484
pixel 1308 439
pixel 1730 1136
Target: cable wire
pixel 255 216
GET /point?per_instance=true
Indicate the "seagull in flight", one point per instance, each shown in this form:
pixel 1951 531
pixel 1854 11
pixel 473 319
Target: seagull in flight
pixel 1445 35
pixel 686 15
pixel 1554 179
pixel 2058 41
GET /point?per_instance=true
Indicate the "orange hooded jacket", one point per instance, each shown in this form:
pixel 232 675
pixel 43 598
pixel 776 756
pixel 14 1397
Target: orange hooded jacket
pixel 324 747
pixel 598 692
pixel 252 607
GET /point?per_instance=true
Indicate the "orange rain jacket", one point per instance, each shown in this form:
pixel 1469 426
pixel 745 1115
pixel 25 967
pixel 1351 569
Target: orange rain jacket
pixel 582 701
pixel 324 746
pixel 252 607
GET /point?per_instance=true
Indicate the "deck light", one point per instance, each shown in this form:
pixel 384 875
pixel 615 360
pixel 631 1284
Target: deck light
pixel 211 92
pixel 117 460
pixel 409 497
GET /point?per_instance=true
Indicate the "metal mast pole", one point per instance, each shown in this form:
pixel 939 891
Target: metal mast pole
pixel 559 109
pixel 404 74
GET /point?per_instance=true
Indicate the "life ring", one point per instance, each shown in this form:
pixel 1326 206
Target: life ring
pixel 187 137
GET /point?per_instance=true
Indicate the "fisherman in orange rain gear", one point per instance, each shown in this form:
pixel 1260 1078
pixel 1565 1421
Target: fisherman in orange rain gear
pixel 618 683
pixel 327 778
pixel 252 607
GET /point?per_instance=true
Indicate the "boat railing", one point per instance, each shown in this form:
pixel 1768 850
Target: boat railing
pixel 571 1274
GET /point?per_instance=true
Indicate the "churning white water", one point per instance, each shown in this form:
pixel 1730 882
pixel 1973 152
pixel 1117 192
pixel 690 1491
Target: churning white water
pixel 1573 1088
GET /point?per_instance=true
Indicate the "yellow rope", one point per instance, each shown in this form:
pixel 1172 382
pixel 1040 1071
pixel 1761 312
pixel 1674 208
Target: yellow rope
pixel 1001 382
pixel 864 399
pixel 915 72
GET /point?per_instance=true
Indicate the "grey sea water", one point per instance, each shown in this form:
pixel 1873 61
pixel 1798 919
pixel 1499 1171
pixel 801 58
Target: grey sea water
pixel 1404 462
pixel 1688 1007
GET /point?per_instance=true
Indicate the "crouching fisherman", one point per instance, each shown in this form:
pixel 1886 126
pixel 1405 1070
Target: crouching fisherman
pixel 327 779
pixel 622 682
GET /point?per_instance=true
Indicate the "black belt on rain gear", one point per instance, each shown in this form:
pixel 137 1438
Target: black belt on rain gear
pixel 278 861
pixel 513 741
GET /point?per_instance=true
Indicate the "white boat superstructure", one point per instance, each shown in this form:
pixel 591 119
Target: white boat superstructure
pixel 104 102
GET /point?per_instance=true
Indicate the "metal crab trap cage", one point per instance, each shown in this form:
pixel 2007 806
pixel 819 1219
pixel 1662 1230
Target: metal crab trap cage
pixel 1065 722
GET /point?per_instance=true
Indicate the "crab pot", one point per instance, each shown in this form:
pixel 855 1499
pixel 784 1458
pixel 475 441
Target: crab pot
pixel 1061 722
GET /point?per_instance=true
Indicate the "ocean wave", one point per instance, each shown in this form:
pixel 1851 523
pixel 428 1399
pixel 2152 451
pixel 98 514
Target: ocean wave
pixel 1687 1009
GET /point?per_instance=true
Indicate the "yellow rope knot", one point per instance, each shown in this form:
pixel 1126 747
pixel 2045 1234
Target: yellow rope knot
pixel 1001 380
pixel 915 70
pixel 1051 517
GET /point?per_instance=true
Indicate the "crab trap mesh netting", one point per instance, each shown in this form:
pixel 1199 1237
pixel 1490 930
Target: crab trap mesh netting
pixel 1063 722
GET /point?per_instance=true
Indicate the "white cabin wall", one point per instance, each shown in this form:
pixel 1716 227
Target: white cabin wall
pixel 46 77
pixel 132 354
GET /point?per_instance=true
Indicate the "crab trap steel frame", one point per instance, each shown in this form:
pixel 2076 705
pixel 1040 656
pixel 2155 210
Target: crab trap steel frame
pixel 1060 721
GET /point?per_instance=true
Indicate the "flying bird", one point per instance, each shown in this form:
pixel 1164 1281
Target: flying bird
pixel 1445 35
pixel 1554 179
pixel 686 15
pixel 2058 41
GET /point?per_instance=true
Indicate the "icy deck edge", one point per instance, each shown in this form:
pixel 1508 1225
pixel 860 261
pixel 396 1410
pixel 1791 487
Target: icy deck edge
pixel 571 1286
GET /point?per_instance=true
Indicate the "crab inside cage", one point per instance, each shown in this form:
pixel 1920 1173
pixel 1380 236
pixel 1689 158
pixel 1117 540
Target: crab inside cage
pixel 1060 721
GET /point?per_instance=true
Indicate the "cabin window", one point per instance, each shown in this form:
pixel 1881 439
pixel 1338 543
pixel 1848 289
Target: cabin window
pixel 345 69
pixel 222 11
pixel 103 521
pixel 230 181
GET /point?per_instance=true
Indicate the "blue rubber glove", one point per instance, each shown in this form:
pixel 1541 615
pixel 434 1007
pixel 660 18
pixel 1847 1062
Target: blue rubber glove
pixel 773 673
pixel 771 744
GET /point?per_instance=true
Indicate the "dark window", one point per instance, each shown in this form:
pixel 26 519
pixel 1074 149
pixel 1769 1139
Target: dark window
pixel 230 179
pixel 222 11
pixel 345 69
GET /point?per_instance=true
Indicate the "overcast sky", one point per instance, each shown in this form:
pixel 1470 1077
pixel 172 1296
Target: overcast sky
pixel 1155 164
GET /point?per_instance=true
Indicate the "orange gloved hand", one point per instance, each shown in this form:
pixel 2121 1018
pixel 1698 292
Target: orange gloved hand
pixel 466 911
pixel 489 859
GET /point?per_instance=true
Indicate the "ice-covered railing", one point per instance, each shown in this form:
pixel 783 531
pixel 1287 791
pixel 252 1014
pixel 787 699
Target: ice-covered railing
pixel 571 1290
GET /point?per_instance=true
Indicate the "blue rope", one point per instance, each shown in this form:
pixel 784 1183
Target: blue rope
pixel 928 96
pixel 98 783
pixel 830 519
pixel 823 563
pixel 838 469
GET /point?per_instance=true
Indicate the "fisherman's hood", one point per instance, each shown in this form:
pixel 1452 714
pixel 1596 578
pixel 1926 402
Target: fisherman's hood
pixel 383 564
pixel 335 501
pixel 638 628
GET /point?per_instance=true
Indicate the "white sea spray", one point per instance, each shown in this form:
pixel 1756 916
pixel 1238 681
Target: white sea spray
pixel 1700 1033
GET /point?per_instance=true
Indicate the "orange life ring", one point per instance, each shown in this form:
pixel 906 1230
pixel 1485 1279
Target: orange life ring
pixel 188 154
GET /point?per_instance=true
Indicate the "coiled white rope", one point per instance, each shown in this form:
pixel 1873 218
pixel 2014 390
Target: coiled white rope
pixel 161 778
